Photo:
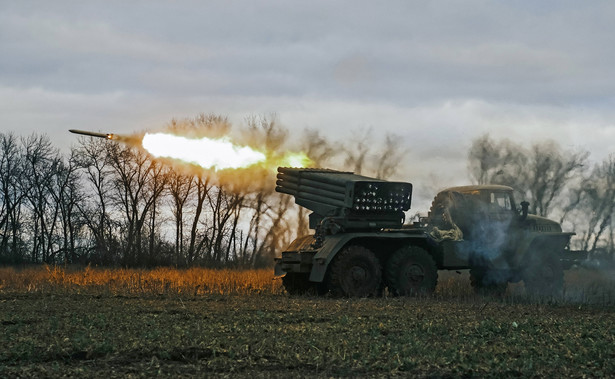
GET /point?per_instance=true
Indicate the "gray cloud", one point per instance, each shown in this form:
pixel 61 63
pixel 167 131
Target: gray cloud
pixel 436 73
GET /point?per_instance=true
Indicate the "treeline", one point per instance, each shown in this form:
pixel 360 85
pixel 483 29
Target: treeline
pixel 560 184
pixel 110 203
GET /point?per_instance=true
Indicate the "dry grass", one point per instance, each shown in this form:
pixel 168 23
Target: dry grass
pixel 160 281
pixel 582 286
pixel 590 286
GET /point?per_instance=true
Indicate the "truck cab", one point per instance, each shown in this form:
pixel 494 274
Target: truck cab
pixel 500 242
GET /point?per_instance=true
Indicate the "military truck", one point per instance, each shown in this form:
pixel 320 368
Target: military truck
pixel 361 245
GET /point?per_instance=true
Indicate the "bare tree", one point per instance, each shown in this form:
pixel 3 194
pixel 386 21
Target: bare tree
pixel 198 239
pixel 541 173
pixel 65 192
pixel 225 207
pixel 502 162
pixel 550 171
pixel 368 157
pixel 155 187
pixel 266 230
pixel 203 125
pixel 11 198
pixel 92 159
pixel 598 204
pixel 389 158
pixel 180 189
pixel 137 187
pixel 357 152
pixel 39 168
pixel 277 236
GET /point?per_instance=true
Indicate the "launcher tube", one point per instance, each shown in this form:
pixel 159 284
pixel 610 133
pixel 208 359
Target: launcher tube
pixel 300 196
pixel 338 180
pixel 335 181
pixel 323 193
pixel 314 190
pixel 319 199
pixel 313 183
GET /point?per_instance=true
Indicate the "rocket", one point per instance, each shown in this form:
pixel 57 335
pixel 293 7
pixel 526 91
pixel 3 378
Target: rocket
pixel 93 134
pixel 134 139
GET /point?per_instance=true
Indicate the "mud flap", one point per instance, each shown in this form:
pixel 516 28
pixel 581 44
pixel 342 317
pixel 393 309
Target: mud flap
pixel 277 270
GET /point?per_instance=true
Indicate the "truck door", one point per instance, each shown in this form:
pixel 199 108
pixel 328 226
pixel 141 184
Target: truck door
pixel 501 215
pixel 500 207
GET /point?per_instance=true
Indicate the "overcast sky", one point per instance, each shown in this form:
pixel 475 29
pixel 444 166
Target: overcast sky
pixel 436 73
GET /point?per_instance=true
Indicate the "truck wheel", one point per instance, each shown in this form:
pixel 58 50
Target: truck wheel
pixel 545 277
pixel 485 284
pixel 355 272
pixel 411 271
pixel 296 283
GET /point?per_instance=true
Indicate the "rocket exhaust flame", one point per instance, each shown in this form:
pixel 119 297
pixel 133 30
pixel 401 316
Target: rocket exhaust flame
pixel 209 153
pixel 217 154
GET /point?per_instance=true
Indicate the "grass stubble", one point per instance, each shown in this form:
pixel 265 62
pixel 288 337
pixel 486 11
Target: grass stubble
pixel 92 322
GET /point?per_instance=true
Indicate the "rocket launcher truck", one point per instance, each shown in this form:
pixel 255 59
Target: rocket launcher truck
pixel 361 244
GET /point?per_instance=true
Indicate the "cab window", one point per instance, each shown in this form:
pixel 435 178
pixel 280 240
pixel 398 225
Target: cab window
pixel 501 199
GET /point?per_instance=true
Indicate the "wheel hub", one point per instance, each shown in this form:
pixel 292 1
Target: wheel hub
pixel 414 273
pixel 358 274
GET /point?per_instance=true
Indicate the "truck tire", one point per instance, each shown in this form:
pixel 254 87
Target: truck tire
pixel 355 272
pixel 545 277
pixel 485 285
pixel 411 271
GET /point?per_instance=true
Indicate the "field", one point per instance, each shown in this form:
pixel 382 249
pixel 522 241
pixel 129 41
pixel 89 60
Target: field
pixel 134 323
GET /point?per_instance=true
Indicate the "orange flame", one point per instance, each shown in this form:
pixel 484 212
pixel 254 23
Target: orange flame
pixel 216 153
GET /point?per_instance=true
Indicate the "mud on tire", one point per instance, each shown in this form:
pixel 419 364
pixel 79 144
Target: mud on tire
pixel 411 271
pixel 355 272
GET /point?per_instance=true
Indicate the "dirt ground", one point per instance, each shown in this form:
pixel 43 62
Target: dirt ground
pixel 69 335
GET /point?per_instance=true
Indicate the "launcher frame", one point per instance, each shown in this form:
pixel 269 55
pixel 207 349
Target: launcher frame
pixel 345 201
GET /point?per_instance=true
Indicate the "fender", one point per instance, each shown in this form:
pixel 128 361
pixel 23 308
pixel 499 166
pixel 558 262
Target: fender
pixel 336 242
pixel 557 240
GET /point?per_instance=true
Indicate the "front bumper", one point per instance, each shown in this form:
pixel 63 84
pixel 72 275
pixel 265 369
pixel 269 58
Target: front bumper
pixel 295 262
